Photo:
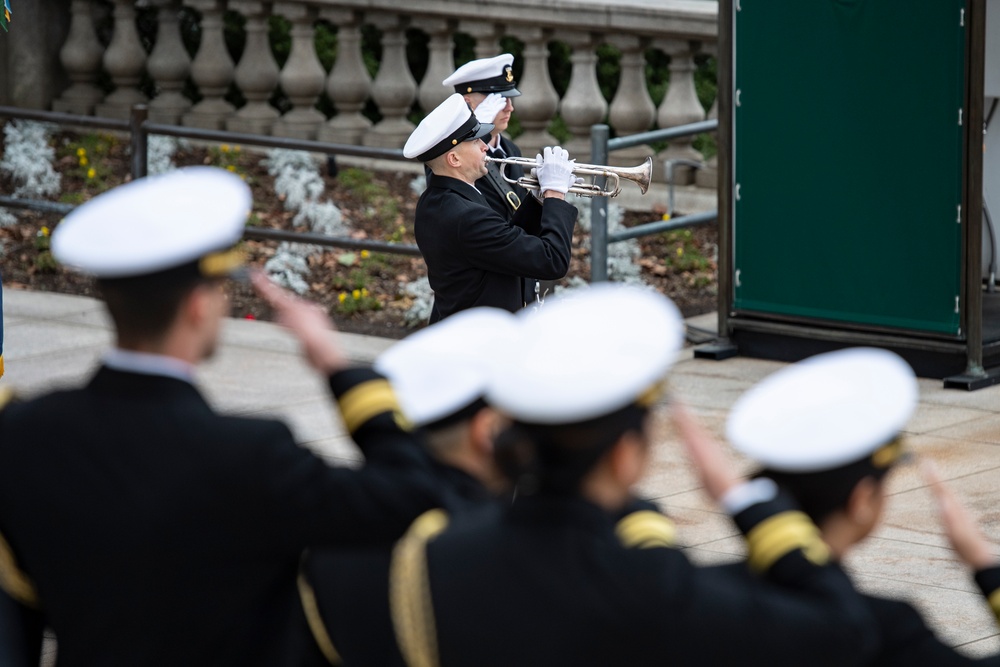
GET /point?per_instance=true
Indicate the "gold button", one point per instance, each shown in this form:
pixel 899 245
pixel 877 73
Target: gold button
pixel 454 142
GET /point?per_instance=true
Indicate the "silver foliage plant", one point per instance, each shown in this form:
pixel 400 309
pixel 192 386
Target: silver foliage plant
pixel 160 154
pixel 28 159
pixel 297 181
pixel 423 300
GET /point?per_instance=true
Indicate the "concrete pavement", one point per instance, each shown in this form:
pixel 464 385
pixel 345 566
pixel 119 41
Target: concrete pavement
pixel 56 340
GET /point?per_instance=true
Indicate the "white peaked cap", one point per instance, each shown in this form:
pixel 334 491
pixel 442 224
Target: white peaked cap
pixel 826 411
pixel 449 123
pixel 445 368
pixel 154 223
pixel 587 354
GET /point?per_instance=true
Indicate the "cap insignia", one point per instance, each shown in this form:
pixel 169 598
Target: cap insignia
pixel 510 74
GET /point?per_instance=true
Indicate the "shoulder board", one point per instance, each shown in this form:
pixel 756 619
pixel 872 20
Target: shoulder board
pixel 646 529
pixel 7 397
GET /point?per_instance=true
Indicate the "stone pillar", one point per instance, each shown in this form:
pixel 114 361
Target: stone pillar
pixel 709 176
pixel 583 105
pixel 487 36
pixel 169 65
pixel 349 83
pixel 124 60
pixel 256 73
pixel 440 62
pixel 81 58
pixel 302 77
pixel 394 88
pixel 632 111
pixel 539 100
pixel 680 106
pixel 212 69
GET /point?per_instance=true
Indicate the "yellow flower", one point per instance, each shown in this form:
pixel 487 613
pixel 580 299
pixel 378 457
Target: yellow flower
pixel 91 173
pixel 44 231
pixel 231 168
pixel 236 149
pixel 224 148
pixel 665 216
pixel 364 292
pixel 356 294
pixel 365 254
pixel 680 251
pixel 342 297
pixel 81 152
pixel 83 161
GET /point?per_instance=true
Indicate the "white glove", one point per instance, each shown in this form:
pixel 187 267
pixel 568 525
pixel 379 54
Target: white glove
pixel 488 109
pixel 554 171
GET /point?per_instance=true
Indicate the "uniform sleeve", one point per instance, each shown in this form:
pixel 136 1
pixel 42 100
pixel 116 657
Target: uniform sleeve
pixel 731 618
pixel 493 245
pixel 21 633
pixel 313 504
pixel 906 640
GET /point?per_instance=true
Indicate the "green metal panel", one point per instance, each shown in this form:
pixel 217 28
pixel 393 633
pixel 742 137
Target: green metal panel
pixel 848 160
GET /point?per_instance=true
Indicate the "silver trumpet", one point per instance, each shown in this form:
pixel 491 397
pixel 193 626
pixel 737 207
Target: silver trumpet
pixel 639 175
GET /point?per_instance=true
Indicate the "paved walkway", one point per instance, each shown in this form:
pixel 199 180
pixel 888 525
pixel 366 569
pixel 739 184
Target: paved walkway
pixel 56 340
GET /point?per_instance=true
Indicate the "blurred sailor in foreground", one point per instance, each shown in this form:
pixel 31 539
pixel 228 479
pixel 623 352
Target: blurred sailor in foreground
pixel 474 255
pixel 578 571
pixel 828 430
pixel 440 375
pixel 147 528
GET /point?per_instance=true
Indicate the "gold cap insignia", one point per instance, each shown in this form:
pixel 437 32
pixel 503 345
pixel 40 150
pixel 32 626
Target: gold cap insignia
pixel 510 73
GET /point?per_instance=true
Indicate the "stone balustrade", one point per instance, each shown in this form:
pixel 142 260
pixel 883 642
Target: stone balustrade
pixel 681 29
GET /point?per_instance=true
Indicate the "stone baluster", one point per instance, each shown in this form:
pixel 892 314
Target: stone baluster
pixel 212 69
pixel 440 62
pixel 487 37
pixel 257 72
pixel 632 110
pixel 302 77
pixel 394 88
pixel 81 58
pixel 680 106
pixel 583 104
pixel 124 61
pixel 709 176
pixel 169 66
pixel 539 100
pixel 349 84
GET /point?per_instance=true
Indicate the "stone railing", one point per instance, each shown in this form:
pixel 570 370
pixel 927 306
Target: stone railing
pixel 681 29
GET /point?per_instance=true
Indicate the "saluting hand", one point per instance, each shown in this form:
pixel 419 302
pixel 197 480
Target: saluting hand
pixel 705 452
pixel 306 321
pixel 959 526
pixel 487 110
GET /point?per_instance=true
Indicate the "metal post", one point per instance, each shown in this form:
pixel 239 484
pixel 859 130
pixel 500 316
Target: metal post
pixel 138 139
pixel 599 135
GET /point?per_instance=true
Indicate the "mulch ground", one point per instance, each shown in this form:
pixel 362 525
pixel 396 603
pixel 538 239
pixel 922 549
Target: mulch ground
pixel 377 206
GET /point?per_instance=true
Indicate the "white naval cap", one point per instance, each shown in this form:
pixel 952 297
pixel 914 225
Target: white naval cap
pixel 485 75
pixel 440 373
pixel 826 411
pixel 587 355
pixel 449 124
pixel 187 216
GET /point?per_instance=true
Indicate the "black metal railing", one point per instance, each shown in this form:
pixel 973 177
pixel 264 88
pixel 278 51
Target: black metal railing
pixel 600 146
pixel 139 129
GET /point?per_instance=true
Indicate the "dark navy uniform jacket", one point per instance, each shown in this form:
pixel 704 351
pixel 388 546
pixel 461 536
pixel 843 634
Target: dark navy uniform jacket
pixel 554 581
pixel 151 530
pixel 346 591
pixel 476 258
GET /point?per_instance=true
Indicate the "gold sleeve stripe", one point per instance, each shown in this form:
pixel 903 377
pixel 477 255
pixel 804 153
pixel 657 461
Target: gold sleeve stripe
pixel 410 591
pixel 781 534
pixel 646 529
pixel 13 580
pixel 994 600
pixel 365 401
pixel 308 597
pixel 1 365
